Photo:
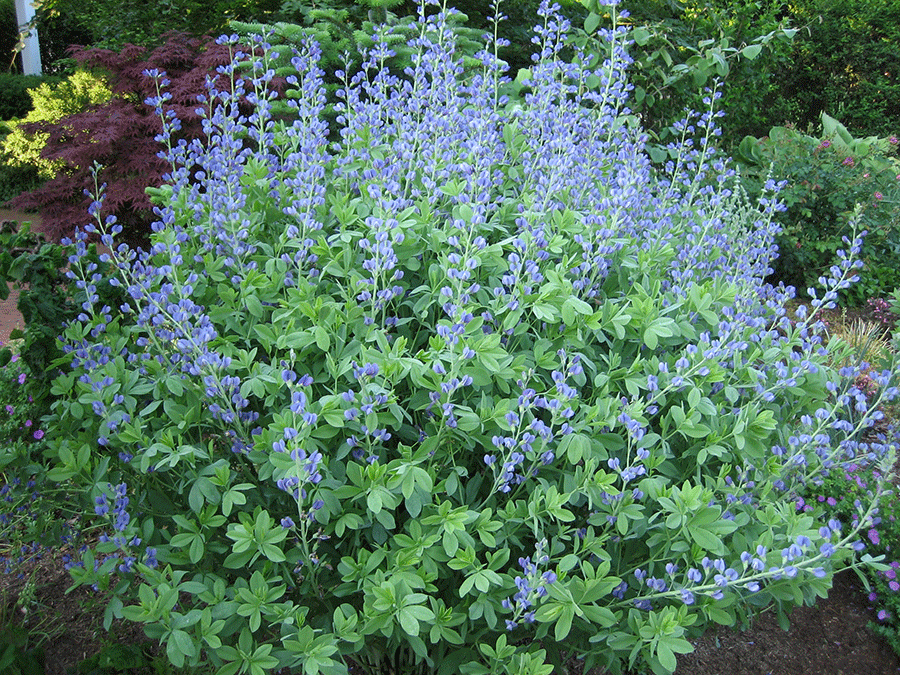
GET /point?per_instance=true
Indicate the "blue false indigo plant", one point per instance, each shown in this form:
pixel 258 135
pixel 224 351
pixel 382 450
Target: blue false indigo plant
pixel 473 390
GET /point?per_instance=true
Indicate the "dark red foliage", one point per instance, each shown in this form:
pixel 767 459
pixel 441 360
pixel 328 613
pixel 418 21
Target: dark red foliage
pixel 119 135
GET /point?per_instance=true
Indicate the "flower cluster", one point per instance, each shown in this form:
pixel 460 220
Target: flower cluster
pixel 529 588
pixel 119 553
pixel 19 415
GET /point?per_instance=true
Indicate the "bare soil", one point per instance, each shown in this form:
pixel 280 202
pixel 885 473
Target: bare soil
pixel 829 638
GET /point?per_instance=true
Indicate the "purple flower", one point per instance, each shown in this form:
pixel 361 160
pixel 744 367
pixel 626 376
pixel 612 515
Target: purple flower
pixel 102 507
pixel 150 558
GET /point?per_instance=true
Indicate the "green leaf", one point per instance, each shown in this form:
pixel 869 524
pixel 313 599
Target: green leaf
pixel 591 23
pixel 197 549
pixel 273 553
pixel 548 611
pixel 176 656
pixel 408 622
pixel 575 447
pixel 651 339
pixel 323 341
pixel 184 643
pixel 173 384
pixel 666 656
pixel 750 52
pixel 450 543
pixel 705 539
pixel 641 36
pixel 834 130
pixel 238 560
pixel 229 668
pixel 374 501
pixel 568 562
pixel 254 306
pixel 545 311
pixel 720 616
pixel 564 624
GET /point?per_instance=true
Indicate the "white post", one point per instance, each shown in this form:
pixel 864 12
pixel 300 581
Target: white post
pixel 31 51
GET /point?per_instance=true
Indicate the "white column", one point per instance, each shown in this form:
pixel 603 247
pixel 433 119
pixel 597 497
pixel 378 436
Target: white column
pixel 31 52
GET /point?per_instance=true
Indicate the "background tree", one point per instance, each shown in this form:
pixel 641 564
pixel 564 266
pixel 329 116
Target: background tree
pixel 112 24
pixel 119 134
pixel 847 65
pixel 8 29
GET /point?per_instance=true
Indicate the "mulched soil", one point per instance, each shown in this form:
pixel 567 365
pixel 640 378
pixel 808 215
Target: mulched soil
pixel 830 638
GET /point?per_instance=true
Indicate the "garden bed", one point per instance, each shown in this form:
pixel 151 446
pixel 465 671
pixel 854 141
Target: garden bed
pixel 829 638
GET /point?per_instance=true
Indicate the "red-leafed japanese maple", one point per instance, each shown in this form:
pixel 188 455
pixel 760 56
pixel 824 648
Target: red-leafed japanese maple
pixel 120 135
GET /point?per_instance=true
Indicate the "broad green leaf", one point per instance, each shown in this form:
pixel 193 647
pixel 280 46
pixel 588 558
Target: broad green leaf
pixel 750 52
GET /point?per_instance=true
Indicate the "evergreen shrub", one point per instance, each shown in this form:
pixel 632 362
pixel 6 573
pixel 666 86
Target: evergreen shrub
pixel 110 24
pixel 51 103
pixel 15 101
pixel 14 180
pixel 343 35
pixel 472 390
pixel 847 64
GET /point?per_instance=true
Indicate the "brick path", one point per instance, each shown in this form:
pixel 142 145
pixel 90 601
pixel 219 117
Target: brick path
pixel 9 316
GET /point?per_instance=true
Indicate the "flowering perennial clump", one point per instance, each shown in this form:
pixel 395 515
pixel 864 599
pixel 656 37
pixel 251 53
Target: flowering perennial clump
pixel 350 384
pixel 36 520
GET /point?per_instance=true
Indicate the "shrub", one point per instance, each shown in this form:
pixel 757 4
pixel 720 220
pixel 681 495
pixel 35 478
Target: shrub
pixel 516 28
pixel 828 178
pixel 841 59
pixel 470 391
pixel 118 134
pixel 25 522
pixel 14 180
pixel 112 25
pixel 846 64
pixel 21 421
pixel 46 298
pixel 681 48
pixel 15 100
pixel 51 103
pixel 343 35
pixel 340 24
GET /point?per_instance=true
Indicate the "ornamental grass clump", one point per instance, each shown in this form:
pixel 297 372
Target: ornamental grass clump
pixel 473 390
